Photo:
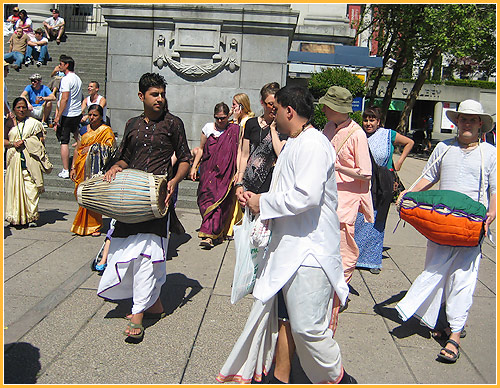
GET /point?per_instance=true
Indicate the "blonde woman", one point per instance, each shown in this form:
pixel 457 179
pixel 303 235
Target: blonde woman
pixel 241 112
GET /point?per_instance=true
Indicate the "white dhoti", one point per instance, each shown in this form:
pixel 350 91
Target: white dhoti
pixel 136 269
pixel 308 298
pixel 449 277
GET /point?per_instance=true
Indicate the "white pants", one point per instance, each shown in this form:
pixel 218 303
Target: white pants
pixel 136 269
pixel 308 297
pixel 449 276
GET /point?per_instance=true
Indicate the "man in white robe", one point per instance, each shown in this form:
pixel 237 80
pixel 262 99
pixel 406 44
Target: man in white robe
pixel 450 273
pixel 303 257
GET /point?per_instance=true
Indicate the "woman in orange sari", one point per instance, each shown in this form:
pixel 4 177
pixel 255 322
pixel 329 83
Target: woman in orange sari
pixel 92 151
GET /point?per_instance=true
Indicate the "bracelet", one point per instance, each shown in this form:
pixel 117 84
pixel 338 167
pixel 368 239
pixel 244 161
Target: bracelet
pixel 239 184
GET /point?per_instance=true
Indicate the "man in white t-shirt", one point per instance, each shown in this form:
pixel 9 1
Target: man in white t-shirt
pixel 67 119
pixel 37 49
pixel 54 26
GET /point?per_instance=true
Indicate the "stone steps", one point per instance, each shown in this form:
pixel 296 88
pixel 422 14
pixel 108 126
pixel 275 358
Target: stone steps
pixel 89 53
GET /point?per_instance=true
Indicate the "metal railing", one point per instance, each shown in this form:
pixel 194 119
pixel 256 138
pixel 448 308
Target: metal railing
pixel 86 18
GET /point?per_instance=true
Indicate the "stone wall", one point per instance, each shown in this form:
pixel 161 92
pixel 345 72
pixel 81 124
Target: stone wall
pixel 207 53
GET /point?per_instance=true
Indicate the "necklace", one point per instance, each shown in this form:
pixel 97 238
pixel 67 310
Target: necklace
pixel 467 145
pixel 297 133
pixel 21 130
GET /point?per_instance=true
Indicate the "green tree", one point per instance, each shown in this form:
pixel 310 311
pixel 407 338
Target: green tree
pixel 410 34
pixel 394 26
pixel 459 30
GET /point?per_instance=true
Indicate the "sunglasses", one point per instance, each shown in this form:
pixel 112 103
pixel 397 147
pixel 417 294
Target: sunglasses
pixel 35 80
pixel 220 118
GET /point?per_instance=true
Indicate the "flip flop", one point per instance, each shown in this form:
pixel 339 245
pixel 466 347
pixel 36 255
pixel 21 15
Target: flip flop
pixel 132 325
pixel 454 356
pixel 207 243
pixel 150 316
pixel 96 234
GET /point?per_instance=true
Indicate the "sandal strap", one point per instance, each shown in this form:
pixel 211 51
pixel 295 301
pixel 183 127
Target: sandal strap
pixel 135 325
pixel 454 343
pixel 450 352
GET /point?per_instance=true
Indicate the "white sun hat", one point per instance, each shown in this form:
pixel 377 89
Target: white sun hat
pixel 472 107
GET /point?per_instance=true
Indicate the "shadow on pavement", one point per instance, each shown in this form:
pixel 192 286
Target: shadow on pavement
pixel 21 363
pixel 406 329
pixel 174 243
pixel 173 296
pixel 50 217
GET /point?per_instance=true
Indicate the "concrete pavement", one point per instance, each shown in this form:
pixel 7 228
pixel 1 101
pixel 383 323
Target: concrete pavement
pixel 57 331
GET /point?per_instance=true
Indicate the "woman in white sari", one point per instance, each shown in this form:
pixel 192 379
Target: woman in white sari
pixel 26 159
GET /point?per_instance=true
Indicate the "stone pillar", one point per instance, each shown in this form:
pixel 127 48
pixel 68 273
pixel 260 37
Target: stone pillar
pixel 207 53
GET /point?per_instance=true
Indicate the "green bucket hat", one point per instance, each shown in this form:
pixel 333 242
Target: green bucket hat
pixel 338 99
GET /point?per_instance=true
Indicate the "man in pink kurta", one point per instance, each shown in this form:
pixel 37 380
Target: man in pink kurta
pixel 353 170
pixel 351 145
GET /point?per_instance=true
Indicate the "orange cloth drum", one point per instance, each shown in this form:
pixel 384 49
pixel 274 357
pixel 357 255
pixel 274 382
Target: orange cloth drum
pixel 445 217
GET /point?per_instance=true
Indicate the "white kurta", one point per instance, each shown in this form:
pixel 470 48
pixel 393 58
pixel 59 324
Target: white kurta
pixel 303 259
pixel 302 206
pixel 450 273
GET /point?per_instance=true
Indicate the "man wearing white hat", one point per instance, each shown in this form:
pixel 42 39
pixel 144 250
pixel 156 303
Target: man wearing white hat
pixel 450 273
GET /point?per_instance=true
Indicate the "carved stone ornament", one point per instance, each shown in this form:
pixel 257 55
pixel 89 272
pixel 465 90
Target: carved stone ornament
pixel 195 39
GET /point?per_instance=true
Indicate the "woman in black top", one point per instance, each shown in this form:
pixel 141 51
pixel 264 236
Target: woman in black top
pixel 261 147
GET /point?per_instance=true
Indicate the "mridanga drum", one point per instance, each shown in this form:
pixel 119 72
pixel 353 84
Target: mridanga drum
pixel 133 196
pixel 445 217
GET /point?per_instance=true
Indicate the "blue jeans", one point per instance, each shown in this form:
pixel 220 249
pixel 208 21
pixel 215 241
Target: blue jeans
pixel 41 56
pixel 14 56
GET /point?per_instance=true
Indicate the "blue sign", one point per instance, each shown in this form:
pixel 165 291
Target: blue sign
pixel 357 104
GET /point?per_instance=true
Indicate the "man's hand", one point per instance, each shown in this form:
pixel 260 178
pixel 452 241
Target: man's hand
pixel 111 173
pixel 252 201
pixel 400 198
pixel 490 217
pixel 192 173
pixel 171 186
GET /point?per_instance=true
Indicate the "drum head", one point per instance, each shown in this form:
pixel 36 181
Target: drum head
pixel 162 194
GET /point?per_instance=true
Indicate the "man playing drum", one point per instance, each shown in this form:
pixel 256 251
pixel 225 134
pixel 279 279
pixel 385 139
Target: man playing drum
pixel 450 272
pixel 136 261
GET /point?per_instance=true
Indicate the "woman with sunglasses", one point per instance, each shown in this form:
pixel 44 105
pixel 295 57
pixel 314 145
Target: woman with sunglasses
pixel 26 160
pixel 217 153
pixel 93 149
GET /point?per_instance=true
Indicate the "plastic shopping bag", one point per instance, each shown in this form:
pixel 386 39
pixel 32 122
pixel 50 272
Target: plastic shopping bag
pixel 261 232
pixel 248 258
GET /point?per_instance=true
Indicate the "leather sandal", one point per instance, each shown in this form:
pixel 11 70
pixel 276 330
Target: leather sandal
pixel 454 356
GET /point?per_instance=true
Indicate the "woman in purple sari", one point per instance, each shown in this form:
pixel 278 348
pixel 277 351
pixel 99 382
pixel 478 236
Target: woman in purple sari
pixel 216 199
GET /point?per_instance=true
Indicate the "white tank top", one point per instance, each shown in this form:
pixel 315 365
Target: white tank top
pixel 104 110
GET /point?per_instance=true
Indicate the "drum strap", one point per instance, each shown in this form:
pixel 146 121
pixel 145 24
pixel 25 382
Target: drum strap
pixel 429 167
